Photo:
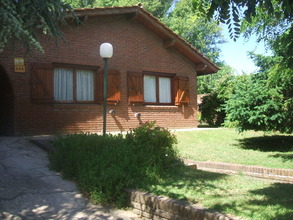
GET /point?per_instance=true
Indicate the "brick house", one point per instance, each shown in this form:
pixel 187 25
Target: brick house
pixel 152 72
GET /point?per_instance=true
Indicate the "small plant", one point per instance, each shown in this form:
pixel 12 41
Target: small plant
pixel 153 145
pixel 104 167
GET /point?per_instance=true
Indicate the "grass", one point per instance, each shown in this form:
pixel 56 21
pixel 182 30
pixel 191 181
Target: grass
pixel 248 148
pixel 241 196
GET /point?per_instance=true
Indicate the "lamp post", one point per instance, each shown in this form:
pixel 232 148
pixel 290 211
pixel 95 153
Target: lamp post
pixel 106 52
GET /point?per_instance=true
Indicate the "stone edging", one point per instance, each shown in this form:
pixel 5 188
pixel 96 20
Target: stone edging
pixel 149 206
pixel 257 171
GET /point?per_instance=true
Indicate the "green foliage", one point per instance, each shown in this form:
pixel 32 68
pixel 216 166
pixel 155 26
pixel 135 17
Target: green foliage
pixel 21 20
pixel 204 36
pixel 283 46
pixel 216 82
pixel 218 88
pixel 80 3
pixel 104 167
pixel 211 111
pixel 156 7
pixel 257 106
pixel 153 145
pixel 270 20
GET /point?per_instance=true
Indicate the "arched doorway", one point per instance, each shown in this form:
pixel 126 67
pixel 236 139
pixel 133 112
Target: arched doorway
pixel 6 104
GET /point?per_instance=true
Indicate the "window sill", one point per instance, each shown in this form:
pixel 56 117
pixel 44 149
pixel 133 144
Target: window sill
pixel 161 106
pixel 76 105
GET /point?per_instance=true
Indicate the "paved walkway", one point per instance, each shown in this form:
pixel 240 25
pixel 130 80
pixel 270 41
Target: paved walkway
pixel 29 190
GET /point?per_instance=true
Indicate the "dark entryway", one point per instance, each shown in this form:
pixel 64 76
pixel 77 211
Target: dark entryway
pixel 6 104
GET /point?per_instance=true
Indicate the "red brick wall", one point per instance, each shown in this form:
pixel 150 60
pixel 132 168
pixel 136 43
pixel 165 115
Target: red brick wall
pixel 136 48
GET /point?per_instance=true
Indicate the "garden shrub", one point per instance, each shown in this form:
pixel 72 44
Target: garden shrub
pixel 211 111
pixel 104 166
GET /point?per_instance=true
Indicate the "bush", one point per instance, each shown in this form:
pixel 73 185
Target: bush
pixel 153 145
pixel 104 167
pixel 211 110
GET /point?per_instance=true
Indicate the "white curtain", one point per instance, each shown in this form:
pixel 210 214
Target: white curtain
pixel 150 89
pixel 63 84
pixel 165 89
pixel 85 85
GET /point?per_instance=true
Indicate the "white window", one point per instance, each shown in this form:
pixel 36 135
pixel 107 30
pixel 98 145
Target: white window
pixel 85 85
pixel 157 89
pixel 165 89
pixel 63 84
pixel 150 88
pixel 73 85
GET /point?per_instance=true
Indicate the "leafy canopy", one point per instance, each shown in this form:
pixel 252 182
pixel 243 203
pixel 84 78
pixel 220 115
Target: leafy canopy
pixel 156 7
pixel 263 101
pixel 21 20
pixel 204 36
pixel 235 12
pixel 270 20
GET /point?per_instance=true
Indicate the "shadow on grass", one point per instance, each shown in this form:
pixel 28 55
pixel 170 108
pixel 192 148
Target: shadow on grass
pixel 279 194
pixel 285 157
pixel 272 201
pixel 277 143
pixel 181 178
pixel 207 126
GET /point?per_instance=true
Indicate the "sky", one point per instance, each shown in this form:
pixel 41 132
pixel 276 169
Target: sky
pixel 235 53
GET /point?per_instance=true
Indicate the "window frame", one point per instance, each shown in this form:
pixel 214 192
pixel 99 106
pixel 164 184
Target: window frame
pixel 159 75
pixel 74 68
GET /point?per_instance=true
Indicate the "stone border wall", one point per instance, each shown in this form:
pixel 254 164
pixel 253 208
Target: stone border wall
pixel 257 171
pixel 149 206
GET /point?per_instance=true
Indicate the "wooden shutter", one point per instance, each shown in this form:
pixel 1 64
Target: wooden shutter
pixel 114 94
pixel 181 87
pixel 114 84
pixel 42 83
pixel 135 87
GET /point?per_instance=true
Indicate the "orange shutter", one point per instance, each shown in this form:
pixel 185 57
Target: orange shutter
pixel 114 94
pixel 42 83
pixel 114 91
pixel 181 87
pixel 135 87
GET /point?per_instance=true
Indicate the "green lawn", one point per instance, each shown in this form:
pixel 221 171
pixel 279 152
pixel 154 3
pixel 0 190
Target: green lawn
pixel 227 145
pixel 239 195
pixel 242 196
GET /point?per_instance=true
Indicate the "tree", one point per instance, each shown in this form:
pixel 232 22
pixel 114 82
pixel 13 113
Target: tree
pixel 21 20
pixel 219 87
pixel 80 3
pixel 263 101
pixel 255 107
pixel 215 82
pixel 271 20
pixel 204 36
pixel 156 7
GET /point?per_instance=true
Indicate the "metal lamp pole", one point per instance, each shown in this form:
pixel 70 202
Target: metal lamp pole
pixel 106 52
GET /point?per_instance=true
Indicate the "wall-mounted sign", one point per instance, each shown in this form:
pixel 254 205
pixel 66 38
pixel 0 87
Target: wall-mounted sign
pixel 18 61
pixel 19 69
pixel 19 66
